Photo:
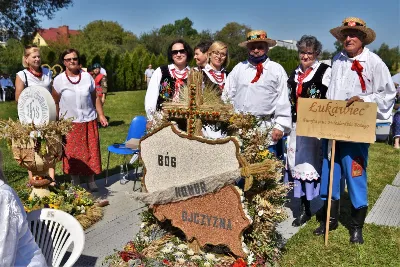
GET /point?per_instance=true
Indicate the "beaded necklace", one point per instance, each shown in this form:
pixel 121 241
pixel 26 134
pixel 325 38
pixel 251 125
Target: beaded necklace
pixel 218 77
pixel 35 73
pixel 79 79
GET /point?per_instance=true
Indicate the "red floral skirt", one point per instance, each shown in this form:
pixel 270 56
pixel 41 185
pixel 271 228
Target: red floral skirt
pixel 82 150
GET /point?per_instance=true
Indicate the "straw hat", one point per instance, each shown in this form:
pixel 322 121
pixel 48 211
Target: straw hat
pixel 258 36
pixel 357 24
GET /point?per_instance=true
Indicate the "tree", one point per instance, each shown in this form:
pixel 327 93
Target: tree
pixel 338 47
pixel 180 29
pixel 231 34
pixel 11 57
pixel 286 57
pixel 20 17
pixel 325 55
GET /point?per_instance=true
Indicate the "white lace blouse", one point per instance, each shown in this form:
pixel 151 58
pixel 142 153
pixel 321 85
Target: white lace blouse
pixel 17 246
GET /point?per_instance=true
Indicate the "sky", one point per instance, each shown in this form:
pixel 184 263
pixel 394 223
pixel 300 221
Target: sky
pixel 281 19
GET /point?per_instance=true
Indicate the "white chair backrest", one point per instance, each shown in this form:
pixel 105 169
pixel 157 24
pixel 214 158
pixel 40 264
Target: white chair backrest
pixel 54 231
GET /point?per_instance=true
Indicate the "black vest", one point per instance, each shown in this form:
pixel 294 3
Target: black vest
pixel 167 86
pixel 311 89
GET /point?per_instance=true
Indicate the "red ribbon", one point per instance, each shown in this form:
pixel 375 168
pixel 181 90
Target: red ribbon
pixel 300 79
pixel 358 68
pixel 259 72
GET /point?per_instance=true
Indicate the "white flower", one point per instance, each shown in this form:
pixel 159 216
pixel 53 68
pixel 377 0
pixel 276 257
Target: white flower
pixel 190 252
pixel 261 147
pixel 210 257
pixel 166 250
pixel 250 258
pixel 207 264
pixel 179 254
pixel 181 260
pixel 146 239
pixel 245 248
pixel 169 245
pixel 278 211
pixel 242 199
pixel 142 225
pixel 195 258
pixel 260 213
pixel 182 247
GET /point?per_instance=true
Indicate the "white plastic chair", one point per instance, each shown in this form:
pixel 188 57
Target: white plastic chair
pixel 54 231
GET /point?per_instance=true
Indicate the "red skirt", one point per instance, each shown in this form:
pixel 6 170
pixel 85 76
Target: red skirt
pixel 82 149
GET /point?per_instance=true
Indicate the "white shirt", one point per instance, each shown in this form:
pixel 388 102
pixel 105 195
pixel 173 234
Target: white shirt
pixel 379 85
pixel 76 99
pixel 150 101
pixel 44 81
pixel 17 245
pixel 325 79
pixel 149 73
pixel 269 95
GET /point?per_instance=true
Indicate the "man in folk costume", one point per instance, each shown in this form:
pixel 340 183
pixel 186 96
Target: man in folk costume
pixel 357 75
pixel 259 86
pixel 100 81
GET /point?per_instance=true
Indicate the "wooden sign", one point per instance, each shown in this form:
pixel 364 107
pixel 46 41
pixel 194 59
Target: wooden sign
pixel 331 119
pixel 216 219
pixel 36 105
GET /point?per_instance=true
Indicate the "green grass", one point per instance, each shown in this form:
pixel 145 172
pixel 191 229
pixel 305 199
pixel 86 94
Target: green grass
pixel 120 107
pixel 382 244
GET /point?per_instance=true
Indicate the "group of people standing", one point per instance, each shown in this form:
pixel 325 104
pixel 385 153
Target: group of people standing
pixel 76 95
pixel 261 87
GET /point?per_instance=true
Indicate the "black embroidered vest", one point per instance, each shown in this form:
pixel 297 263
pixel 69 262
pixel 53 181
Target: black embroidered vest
pixel 311 89
pixel 167 86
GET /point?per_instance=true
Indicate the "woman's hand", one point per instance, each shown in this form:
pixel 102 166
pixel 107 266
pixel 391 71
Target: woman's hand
pixel 354 99
pixel 103 121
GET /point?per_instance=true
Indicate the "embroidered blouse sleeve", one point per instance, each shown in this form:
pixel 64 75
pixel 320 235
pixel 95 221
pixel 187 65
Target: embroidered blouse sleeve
pixel 11 223
pixel 383 91
pixel 150 101
pixel 326 79
pixel 230 86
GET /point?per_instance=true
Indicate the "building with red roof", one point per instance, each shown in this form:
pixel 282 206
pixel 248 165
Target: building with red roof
pixel 61 34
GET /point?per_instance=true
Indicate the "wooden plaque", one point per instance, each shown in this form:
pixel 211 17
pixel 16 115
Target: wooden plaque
pixel 331 119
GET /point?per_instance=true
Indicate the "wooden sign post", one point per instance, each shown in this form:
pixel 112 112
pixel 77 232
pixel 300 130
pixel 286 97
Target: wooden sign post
pixel 331 119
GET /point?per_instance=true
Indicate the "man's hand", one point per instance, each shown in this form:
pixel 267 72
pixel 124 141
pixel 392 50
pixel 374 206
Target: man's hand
pixel 353 99
pixel 276 135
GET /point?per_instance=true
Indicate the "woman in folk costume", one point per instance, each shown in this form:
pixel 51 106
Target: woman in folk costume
pixel 214 76
pixel 100 81
pixel 167 81
pixel 309 80
pixel 358 75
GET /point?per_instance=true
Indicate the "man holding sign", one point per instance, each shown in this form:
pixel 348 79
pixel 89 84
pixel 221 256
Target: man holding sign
pixel 357 75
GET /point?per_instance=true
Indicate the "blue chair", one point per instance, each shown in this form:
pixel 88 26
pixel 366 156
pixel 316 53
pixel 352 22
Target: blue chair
pixel 137 130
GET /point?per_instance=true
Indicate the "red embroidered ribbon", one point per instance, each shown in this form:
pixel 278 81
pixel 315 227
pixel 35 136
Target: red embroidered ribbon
pixel 259 72
pixel 358 68
pixel 300 79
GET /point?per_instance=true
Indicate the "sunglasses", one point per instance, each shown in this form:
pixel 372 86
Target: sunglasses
pixel 71 59
pixel 175 52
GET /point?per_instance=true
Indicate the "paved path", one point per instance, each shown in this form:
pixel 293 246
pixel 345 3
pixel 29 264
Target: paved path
pixel 118 226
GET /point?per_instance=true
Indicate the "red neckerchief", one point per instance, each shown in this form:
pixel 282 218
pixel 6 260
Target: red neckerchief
pixel 358 68
pixel 178 82
pixel 259 72
pixel 300 78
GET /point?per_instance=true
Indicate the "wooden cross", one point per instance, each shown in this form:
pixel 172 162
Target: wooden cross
pixel 193 109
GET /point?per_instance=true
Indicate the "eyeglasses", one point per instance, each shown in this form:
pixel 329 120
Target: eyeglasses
pixel 303 53
pixel 175 52
pixel 218 54
pixel 71 59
